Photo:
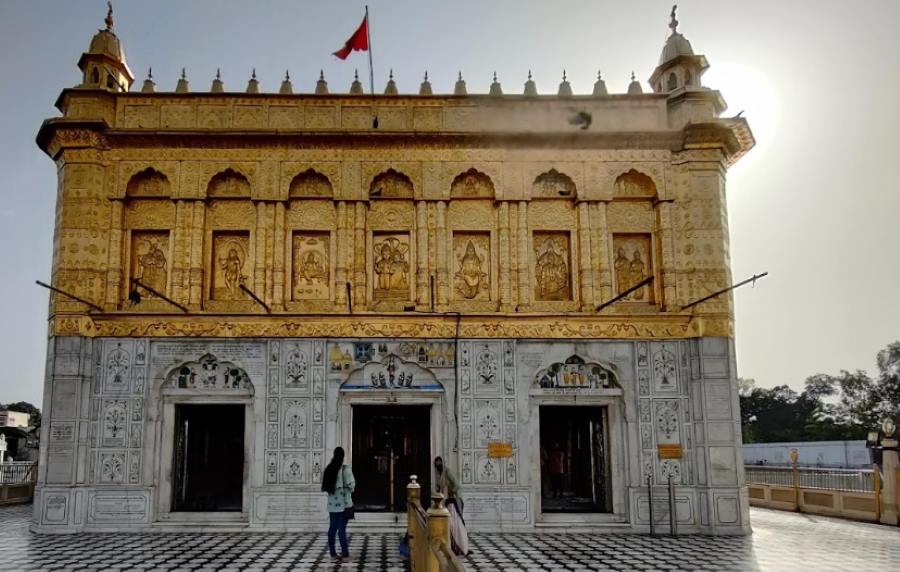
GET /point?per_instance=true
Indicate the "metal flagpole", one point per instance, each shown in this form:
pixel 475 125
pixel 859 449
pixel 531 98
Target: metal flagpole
pixel 371 72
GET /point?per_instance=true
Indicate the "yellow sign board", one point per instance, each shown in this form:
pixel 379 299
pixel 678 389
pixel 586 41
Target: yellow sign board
pixel 499 449
pixel 669 451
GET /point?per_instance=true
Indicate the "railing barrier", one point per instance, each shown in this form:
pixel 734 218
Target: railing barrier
pixel 17 481
pixel 429 533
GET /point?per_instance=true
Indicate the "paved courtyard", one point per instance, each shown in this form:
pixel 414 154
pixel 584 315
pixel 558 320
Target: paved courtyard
pixel 781 541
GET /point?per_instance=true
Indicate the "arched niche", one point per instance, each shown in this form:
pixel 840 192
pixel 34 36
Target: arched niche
pixel 576 372
pixel 228 184
pixel 310 184
pixel 552 185
pixel 391 184
pixel 393 374
pixel 472 184
pixel 148 183
pixel 672 82
pixel 208 373
pixel 634 184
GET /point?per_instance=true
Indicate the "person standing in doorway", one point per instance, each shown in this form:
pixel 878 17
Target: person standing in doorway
pixel 338 483
pixel 557 469
pixel 448 485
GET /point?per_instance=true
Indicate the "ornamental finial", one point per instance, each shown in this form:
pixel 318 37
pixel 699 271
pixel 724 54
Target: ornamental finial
pixel 109 17
pixel 673 23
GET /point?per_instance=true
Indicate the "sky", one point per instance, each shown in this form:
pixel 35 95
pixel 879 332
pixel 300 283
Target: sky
pixel 815 203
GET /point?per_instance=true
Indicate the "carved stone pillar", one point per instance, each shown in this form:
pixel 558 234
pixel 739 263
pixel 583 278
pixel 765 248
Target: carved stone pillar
pixel 360 251
pixel 511 255
pixel 503 228
pixel 196 267
pixel 116 259
pixel 423 294
pixel 269 228
pixel 602 273
pixel 281 279
pixel 665 266
pixel 258 281
pixel 179 278
pixel 585 271
pixel 340 262
pixel 524 258
pixel 443 283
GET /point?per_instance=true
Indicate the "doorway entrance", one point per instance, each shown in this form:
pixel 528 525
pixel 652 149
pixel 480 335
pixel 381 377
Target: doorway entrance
pixel 390 443
pixel 574 459
pixel 208 462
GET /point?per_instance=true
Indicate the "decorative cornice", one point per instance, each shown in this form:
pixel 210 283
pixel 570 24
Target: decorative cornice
pixel 377 326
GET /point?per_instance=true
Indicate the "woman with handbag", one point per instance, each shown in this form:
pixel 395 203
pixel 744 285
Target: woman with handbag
pixel 338 482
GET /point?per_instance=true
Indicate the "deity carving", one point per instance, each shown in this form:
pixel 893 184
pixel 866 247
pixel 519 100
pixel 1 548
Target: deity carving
pixel 632 264
pixel 551 253
pixel 149 264
pixel 634 184
pixel 472 184
pixel 310 184
pixel 391 185
pixel 553 185
pixel 311 268
pixel 230 259
pixel 472 253
pixel 391 267
pixel 575 372
pixel 208 373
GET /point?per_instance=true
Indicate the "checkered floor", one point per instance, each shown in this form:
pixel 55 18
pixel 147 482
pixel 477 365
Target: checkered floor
pixel 781 541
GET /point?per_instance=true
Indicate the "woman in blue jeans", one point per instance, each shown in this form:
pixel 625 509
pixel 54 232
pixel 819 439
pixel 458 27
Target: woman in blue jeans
pixel 338 482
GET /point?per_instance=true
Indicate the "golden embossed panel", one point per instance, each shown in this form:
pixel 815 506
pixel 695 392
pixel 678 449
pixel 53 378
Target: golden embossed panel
pixel 231 265
pixel 150 259
pixel 472 265
pixel 633 261
pixel 552 185
pixel 311 267
pixel 552 266
pixel 472 184
pixel 391 266
pixel 148 183
pixel 249 116
pixel 310 184
pixel 634 184
pixel 285 117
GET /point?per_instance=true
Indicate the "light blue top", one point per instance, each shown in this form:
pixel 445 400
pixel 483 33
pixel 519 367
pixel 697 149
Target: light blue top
pixel 343 491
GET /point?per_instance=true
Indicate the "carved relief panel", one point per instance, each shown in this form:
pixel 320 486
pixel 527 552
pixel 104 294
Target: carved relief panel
pixel 633 262
pixel 472 184
pixel 231 265
pixel 391 266
pixel 150 260
pixel 311 266
pixel 552 185
pixel 552 266
pixel 472 265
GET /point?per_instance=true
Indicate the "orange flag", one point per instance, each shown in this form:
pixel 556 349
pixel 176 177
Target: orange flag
pixel 359 41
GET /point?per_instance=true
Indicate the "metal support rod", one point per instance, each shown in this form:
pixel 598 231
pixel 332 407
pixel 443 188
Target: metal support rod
pixel 255 297
pixel 673 527
pixel 753 278
pixel 650 503
pixel 637 286
pixel 137 282
pixel 431 290
pixel 349 298
pixel 67 295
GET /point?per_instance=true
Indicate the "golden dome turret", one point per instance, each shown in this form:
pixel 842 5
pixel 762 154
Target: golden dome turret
pixel 103 66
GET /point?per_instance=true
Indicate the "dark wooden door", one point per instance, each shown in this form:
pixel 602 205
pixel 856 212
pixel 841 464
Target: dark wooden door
pixel 390 443
pixel 208 464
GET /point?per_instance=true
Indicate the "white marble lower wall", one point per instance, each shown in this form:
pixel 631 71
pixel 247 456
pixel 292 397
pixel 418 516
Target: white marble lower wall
pixel 107 445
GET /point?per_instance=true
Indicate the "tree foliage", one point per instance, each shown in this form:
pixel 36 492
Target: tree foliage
pixel 830 407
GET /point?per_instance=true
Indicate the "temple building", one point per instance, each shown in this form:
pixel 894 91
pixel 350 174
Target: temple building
pixel 248 279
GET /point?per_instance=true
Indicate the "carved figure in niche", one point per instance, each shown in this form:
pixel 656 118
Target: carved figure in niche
pixel 229 183
pixel 311 269
pixel 391 185
pixel 230 258
pixel 634 184
pixel 392 267
pixel 310 184
pixel 153 267
pixel 551 268
pixel 472 183
pixel 471 279
pixel 574 372
pixel 632 270
pixel 553 184
pixel 208 373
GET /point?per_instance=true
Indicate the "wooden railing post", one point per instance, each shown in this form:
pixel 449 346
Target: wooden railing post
pixel 438 528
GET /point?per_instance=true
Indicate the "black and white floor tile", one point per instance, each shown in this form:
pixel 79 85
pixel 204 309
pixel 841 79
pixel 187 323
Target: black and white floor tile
pixel 781 541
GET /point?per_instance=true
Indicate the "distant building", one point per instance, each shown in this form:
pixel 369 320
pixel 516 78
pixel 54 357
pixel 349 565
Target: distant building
pixel 14 419
pixel 834 454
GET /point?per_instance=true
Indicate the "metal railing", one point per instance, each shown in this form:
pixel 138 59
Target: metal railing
pixel 18 473
pixel 851 480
